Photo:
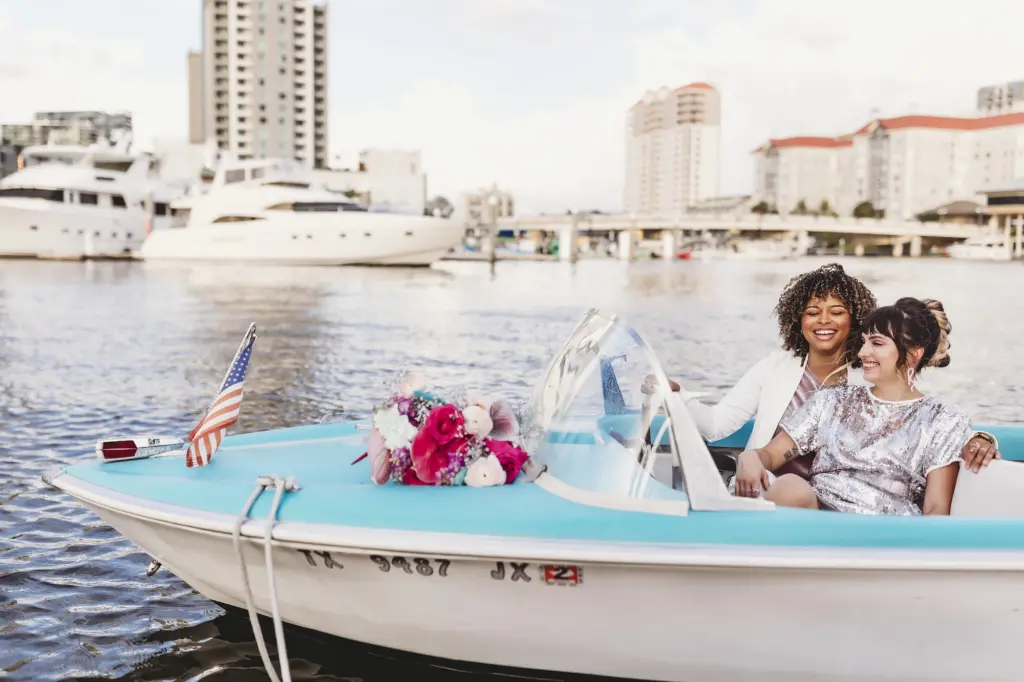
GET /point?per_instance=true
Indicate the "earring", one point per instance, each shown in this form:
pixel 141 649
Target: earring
pixel 911 378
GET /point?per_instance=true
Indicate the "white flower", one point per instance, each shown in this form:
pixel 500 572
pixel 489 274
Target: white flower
pixel 414 381
pixel 479 399
pixel 394 427
pixel 485 471
pixel 478 421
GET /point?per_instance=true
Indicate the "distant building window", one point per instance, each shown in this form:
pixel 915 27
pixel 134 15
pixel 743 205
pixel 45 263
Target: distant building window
pixel 88 198
pixel 234 175
pixel 117 201
pixel 160 208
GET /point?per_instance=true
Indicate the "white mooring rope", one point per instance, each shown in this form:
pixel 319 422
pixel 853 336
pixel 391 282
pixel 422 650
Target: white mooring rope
pixel 280 486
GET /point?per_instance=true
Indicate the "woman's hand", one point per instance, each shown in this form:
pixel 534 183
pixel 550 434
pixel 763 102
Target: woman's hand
pixel 651 382
pixel 978 452
pixel 751 476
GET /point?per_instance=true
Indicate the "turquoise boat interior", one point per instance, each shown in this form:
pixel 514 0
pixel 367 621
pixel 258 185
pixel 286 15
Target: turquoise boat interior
pixel 592 429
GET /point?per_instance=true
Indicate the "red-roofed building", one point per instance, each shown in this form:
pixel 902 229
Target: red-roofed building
pixel 903 165
pixel 791 170
pixel 672 149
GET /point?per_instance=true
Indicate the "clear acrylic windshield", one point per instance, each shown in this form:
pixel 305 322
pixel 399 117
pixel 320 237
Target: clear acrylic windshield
pixel 594 417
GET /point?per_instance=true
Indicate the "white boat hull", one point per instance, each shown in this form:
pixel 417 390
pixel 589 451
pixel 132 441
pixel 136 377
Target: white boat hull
pixel 353 238
pixel 990 249
pixel 67 231
pixel 670 622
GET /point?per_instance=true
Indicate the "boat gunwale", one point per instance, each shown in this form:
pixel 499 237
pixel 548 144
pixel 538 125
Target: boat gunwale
pixel 364 540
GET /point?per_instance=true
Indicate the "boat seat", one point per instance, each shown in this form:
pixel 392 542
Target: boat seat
pixel 995 491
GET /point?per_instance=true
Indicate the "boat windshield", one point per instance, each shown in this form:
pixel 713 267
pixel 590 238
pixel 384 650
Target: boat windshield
pixel 599 420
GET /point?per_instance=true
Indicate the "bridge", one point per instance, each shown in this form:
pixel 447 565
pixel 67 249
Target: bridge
pixel 854 231
pixel 747 222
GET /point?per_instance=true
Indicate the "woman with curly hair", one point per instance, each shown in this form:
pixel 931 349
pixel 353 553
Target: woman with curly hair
pixel 820 315
pixel 883 449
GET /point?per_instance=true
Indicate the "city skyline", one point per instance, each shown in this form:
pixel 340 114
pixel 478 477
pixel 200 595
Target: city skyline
pixel 258 88
pixel 534 94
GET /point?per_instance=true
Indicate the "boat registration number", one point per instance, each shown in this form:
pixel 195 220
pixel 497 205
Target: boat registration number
pixel 562 575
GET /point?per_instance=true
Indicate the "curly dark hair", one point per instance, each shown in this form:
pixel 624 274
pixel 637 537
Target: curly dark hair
pixel 828 280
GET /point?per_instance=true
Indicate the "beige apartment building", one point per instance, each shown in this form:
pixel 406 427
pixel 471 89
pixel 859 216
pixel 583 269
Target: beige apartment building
pixel 259 87
pixel 672 149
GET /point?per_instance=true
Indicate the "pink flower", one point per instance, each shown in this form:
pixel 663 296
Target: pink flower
pixel 409 478
pixel 380 458
pixel 444 423
pixel 427 459
pixel 512 457
pixel 430 457
pixel 506 426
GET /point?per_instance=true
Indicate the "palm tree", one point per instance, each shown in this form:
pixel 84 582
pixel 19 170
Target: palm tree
pixel 801 208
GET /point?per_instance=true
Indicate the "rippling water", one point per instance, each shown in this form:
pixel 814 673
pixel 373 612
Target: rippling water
pixel 96 349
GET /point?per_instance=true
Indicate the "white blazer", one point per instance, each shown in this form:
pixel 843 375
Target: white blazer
pixel 762 394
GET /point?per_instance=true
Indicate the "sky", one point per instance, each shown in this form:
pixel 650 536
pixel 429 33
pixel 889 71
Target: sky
pixel 533 94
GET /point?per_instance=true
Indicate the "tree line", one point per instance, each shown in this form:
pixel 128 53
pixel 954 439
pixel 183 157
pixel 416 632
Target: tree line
pixel 864 209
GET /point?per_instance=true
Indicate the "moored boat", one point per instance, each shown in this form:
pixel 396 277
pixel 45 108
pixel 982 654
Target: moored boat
pixel 270 211
pixel 74 202
pixel 618 552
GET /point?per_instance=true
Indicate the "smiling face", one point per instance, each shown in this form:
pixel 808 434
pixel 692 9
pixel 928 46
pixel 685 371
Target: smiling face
pixel 880 357
pixel 826 326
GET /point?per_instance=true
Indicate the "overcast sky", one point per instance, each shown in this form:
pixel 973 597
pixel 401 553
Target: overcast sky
pixel 533 93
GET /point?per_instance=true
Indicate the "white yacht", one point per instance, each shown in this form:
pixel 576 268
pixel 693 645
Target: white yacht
pixel 270 211
pixel 73 202
pixel 991 247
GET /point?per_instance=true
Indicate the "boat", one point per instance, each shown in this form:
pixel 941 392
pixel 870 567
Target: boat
pixel 989 247
pixel 270 211
pixel 75 202
pixel 617 552
pixel 707 249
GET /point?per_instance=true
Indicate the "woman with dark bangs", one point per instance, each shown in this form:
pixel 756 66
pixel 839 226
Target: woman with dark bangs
pixel 879 449
pixel 820 315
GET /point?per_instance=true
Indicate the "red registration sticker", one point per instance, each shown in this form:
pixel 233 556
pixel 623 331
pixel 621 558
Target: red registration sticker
pixel 562 575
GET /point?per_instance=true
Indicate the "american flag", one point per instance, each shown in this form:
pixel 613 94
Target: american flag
pixel 206 437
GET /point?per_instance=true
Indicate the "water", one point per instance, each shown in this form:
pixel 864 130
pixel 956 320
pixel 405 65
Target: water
pixel 99 349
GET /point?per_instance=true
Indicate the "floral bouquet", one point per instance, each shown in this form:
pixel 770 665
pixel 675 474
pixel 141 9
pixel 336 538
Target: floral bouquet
pixel 421 439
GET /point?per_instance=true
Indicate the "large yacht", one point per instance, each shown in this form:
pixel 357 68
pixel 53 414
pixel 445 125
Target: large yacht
pixel 270 211
pixel 73 202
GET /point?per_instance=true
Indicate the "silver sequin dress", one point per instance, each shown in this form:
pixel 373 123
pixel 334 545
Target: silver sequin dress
pixel 873 455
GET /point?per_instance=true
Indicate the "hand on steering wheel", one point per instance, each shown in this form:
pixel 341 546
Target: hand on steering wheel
pixel 650 385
